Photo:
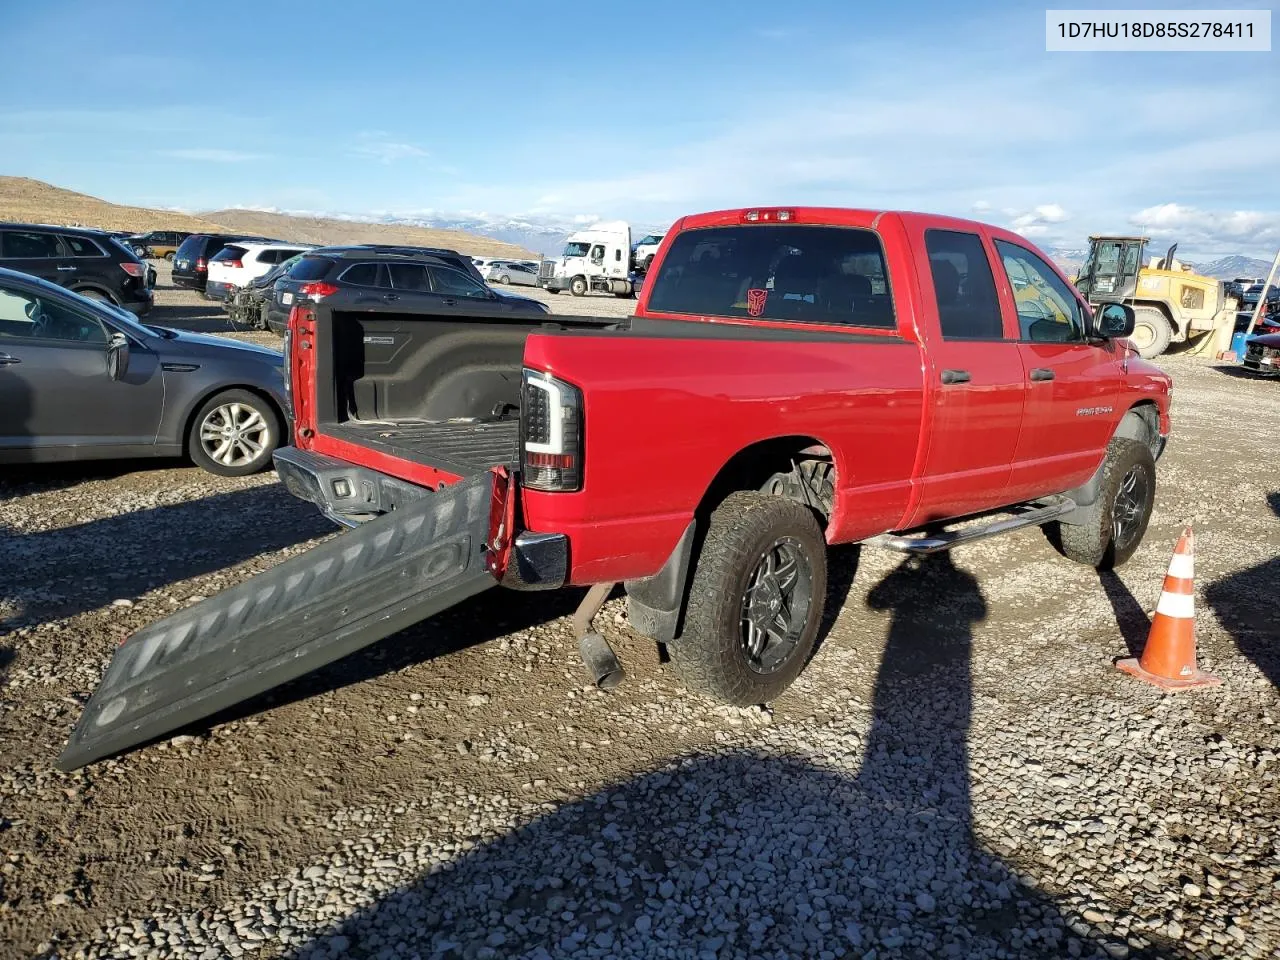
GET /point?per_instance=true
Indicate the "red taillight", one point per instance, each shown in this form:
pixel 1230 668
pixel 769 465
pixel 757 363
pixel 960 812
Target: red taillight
pixel 134 269
pixel 232 263
pixel 317 290
pixel 768 216
pixel 201 265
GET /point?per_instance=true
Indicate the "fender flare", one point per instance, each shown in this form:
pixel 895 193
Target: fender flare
pixel 1134 425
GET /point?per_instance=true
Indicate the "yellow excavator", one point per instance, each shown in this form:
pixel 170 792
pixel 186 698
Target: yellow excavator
pixel 1171 303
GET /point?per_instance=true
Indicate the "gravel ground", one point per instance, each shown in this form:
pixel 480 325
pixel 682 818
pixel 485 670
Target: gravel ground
pixel 960 771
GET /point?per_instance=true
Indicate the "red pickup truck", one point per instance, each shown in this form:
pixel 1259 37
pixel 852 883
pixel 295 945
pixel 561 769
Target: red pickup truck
pixel 791 378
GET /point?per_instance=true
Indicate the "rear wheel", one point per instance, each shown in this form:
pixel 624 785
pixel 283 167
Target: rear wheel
pixel 578 287
pixel 96 295
pixel 648 262
pixel 1151 332
pixel 1114 525
pixel 234 434
pixel 756 600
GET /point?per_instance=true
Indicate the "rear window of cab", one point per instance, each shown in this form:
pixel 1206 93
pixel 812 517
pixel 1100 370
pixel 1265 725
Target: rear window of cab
pixel 792 272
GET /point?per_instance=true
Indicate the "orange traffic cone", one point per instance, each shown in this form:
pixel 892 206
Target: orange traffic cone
pixel 1169 658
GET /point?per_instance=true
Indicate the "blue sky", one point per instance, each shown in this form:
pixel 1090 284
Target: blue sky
pixel 406 107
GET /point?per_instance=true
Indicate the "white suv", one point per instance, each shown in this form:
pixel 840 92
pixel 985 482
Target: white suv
pixel 239 262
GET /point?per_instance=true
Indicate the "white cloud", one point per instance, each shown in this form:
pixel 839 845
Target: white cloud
pixel 212 155
pixel 1217 231
pixel 1038 221
pixel 379 147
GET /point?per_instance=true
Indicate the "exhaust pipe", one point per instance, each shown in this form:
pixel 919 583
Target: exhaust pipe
pixel 601 662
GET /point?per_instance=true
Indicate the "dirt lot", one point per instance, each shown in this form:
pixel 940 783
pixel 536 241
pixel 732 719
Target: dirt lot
pixel 959 772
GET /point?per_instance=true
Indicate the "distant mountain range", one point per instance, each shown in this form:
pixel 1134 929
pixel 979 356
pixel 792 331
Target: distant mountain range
pixel 1224 268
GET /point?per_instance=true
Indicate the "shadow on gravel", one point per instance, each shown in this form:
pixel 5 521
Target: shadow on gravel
pixel 1245 604
pixel 757 853
pixel 1130 617
pixel 1239 372
pixel 71 570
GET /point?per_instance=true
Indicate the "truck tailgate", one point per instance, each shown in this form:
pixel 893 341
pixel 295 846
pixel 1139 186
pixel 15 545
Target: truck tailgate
pixel 303 613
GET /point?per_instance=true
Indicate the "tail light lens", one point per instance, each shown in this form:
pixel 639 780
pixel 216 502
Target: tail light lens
pixel 134 269
pixel 318 290
pixel 550 433
pixel 201 264
pixel 232 263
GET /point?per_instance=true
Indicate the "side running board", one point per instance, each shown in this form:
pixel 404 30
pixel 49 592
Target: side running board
pixel 1030 515
pixel 312 609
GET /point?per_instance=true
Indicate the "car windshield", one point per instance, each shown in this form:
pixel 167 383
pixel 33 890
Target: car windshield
pixel 119 315
pixel 650 240
pixel 576 249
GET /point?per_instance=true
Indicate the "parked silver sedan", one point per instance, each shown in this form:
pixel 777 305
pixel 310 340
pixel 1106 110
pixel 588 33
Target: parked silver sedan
pixel 512 271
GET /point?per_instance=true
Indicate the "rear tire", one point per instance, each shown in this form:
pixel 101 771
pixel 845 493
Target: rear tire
pixel 246 422
pixel 1127 491
pixel 97 295
pixel 1151 332
pixel 648 262
pixel 578 287
pixel 763 564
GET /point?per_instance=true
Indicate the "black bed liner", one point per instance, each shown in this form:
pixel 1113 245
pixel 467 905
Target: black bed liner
pixel 466 446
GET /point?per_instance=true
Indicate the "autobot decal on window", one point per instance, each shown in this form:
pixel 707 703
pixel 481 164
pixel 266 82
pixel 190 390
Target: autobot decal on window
pixel 755 301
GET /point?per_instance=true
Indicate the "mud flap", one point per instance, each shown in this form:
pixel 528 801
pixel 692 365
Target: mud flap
pixel 303 613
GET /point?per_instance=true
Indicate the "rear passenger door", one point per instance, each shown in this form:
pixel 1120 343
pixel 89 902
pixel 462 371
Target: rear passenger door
pixel 976 379
pixel 1072 384
pixel 37 253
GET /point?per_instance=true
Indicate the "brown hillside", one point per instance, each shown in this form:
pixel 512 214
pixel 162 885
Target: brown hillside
pixel 321 230
pixel 32 201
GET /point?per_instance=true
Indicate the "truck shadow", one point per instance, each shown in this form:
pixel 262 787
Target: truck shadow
pixel 1245 605
pixel 66 571
pixel 757 852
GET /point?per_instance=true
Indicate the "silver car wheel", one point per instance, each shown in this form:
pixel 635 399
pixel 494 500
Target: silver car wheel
pixel 234 434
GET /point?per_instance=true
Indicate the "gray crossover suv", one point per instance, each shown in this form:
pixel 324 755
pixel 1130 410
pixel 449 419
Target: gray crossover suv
pixel 82 380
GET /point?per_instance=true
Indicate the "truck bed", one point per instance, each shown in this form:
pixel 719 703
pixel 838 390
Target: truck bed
pixel 468 446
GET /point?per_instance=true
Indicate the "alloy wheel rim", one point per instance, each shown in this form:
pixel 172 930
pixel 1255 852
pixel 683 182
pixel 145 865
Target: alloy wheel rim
pixel 775 605
pixel 1129 507
pixel 234 434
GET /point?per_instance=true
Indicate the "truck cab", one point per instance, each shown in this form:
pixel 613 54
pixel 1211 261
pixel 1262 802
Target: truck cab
pixel 597 260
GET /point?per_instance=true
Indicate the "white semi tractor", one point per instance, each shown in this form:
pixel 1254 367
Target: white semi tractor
pixel 599 259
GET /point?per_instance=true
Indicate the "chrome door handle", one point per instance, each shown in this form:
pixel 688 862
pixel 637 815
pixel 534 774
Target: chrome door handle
pixel 391 297
pixel 449 302
pixel 66 268
pixel 7 359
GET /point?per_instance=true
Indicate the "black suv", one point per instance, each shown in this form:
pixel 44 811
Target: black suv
pixel 191 262
pixel 91 262
pixel 422 279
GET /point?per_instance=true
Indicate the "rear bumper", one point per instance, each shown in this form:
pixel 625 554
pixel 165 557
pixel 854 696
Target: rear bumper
pixel 350 495
pixel 214 290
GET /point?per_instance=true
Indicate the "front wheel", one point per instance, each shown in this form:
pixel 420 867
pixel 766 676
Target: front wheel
pixel 1112 528
pixel 234 434
pixel 578 287
pixel 1151 332
pixel 504 279
pixel 756 601
pixel 169 256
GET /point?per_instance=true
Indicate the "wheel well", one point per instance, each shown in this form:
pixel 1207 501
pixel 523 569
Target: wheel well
pixel 97 288
pixel 1141 422
pixel 753 467
pixel 285 426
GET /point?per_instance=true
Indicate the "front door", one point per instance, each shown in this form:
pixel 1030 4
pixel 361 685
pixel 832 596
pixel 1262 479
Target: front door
pixel 54 388
pixel 977 383
pixel 1072 384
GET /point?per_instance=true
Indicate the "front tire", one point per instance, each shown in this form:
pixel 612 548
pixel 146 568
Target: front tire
pixel 504 279
pixel 169 256
pixel 1112 528
pixel 578 287
pixel 1151 332
pixel 233 434
pixel 756 600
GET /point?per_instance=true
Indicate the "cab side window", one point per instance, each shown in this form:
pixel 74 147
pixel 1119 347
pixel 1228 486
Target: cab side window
pixel 1048 312
pixel 966 292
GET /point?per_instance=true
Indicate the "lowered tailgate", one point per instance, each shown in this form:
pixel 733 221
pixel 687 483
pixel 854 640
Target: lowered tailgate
pixel 303 613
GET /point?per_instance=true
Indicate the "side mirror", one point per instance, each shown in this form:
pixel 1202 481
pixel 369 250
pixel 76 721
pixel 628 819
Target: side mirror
pixel 1115 320
pixel 118 356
